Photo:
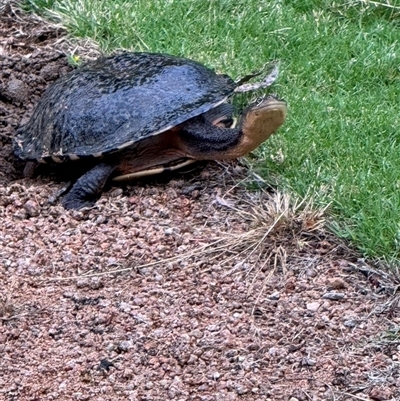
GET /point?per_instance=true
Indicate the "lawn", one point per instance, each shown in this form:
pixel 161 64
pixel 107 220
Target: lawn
pixel 340 74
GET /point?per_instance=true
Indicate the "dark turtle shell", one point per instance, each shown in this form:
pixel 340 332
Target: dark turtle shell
pixel 117 101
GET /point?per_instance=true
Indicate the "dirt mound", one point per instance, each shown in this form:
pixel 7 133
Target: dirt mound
pixel 29 62
pixel 189 287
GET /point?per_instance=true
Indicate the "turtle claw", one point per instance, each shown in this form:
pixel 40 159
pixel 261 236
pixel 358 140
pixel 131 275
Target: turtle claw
pixel 73 203
pixel 87 189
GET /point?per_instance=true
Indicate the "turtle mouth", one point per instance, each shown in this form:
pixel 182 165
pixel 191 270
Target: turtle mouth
pixel 270 103
pixel 261 119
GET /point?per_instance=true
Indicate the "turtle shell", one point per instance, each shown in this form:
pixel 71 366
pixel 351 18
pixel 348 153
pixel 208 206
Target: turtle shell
pixel 117 101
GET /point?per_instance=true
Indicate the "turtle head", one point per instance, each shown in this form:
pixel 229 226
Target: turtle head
pixel 260 120
pixel 202 138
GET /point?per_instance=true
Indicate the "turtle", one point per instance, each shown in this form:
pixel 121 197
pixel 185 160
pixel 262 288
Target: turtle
pixel 139 113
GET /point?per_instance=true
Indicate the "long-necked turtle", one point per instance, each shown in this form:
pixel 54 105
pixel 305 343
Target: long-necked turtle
pixel 136 112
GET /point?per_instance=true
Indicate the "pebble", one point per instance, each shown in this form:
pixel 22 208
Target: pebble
pixel 125 221
pixel 197 333
pixel 308 362
pixel 125 307
pixel 336 283
pixel 334 296
pixel 32 208
pixel 96 283
pixel 100 219
pixel 313 306
pixel 350 323
pixel 241 390
pixel 275 296
pixel 116 192
pixel 311 273
pixel 192 359
pixel 148 213
pixel 380 393
pixel 110 347
pixel 164 383
pixel 16 90
pixel 125 345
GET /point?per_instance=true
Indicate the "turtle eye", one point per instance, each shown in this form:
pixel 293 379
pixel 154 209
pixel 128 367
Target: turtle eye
pixel 260 99
pixel 274 96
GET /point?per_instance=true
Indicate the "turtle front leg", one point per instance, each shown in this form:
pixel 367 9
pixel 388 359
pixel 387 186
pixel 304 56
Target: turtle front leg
pixel 87 189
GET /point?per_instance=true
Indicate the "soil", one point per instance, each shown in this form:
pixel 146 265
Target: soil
pixel 189 286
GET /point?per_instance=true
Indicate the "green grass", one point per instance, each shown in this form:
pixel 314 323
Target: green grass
pixel 340 73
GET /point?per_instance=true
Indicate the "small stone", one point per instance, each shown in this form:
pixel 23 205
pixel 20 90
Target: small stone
pixel 110 347
pixel 16 90
pixel 350 323
pixel 125 345
pixel 32 208
pixel 333 296
pixel 172 393
pixel 197 333
pixel 311 273
pixel 96 283
pixel 307 362
pixel 192 359
pixel 241 390
pixel 125 221
pixel 116 192
pixel 163 213
pixel 105 365
pixel 216 375
pixel 380 393
pixel 290 285
pixel 138 301
pixel 313 306
pixel 101 220
pixel 81 283
pixel 188 190
pixel 336 283
pixel 135 216
pixel 148 213
pixel 164 383
pixel 275 296
pixel 125 307
pixel 77 215
pixel 54 333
